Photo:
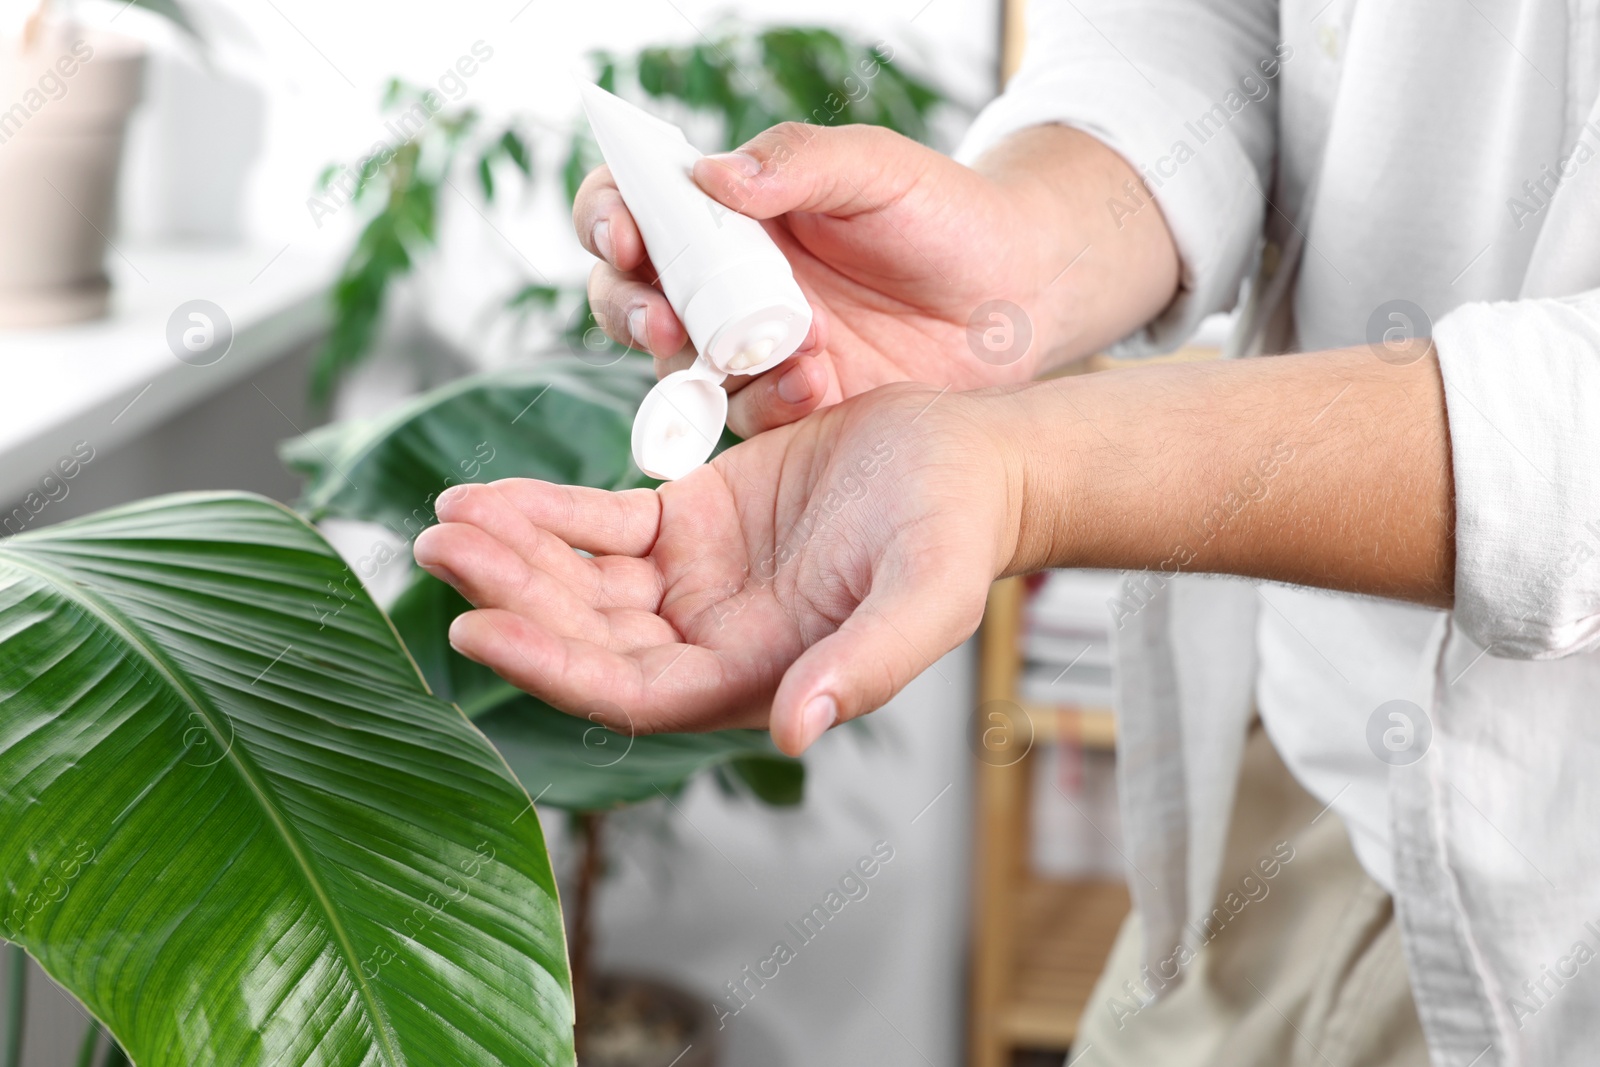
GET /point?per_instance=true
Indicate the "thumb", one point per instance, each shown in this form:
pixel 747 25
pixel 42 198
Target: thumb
pixel 886 642
pixel 798 166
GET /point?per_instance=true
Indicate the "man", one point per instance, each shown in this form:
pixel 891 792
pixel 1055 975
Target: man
pixel 1370 168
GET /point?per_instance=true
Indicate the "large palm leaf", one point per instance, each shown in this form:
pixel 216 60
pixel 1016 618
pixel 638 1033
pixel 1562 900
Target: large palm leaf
pixel 236 825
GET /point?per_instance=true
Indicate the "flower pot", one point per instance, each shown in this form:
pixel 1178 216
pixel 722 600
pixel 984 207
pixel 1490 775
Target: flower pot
pixel 64 105
pixel 643 1022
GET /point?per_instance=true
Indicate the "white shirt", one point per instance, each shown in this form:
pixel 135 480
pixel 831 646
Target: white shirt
pixel 1447 153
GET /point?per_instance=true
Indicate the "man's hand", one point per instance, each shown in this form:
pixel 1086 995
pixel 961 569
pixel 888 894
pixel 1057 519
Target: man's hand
pixel 800 579
pixel 896 247
pixel 814 570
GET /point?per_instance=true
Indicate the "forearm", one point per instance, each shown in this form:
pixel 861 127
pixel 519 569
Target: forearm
pixel 1106 274
pixel 1329 469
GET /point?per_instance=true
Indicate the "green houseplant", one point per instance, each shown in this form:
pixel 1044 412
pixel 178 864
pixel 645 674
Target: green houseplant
pixel 250 817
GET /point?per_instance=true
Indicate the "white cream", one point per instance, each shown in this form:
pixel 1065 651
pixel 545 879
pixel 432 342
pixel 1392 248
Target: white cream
pixel 727 280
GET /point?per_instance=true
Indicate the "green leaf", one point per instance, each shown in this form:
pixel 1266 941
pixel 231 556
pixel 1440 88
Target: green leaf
pixel 486 178
pixel 422 616
pixel 238 827
pixel 516 150
pixel 532 296
pixel 578 765
pixel 776 780
pixel 583 155
pixel 560 420
pixel 567 761
pixel 172 12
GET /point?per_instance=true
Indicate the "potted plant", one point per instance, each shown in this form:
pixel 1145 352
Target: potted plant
pixel 66 92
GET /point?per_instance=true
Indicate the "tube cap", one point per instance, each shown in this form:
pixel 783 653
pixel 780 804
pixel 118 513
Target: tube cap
pixel 750 317
pixel 680 421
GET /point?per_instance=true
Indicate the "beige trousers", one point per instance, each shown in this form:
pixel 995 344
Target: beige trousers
pixel 1299 966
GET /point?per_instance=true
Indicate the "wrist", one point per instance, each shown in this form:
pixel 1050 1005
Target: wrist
pixel 1047 466
pixel 1093 277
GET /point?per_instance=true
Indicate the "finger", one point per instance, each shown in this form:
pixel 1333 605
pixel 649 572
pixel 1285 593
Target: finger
pixel 887 641
pixel 596 521
pixel 486 508
pixel 796 166
pixel 490 575
pixel 669 687
pixel 604 582
pixel 604 224
pixel 633 312
pixel 784 394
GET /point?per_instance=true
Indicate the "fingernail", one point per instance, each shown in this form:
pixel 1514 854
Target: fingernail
pixel 638 325
pixel 446 498
pixel 744 163
pixel 602 239
pixel 819 713
pixel 794 387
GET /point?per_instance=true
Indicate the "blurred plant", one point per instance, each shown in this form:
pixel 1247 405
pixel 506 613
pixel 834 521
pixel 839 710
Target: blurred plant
pixel 744 80
pixel 405 181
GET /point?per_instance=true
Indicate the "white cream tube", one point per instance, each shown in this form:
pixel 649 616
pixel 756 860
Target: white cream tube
pixel 727 280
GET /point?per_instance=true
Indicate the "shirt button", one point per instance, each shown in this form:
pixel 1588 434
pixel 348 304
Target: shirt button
pixel 1328 38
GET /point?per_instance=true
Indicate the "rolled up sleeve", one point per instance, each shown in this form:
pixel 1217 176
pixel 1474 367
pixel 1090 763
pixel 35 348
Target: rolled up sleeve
pixel 1522 390
pixel 1146 78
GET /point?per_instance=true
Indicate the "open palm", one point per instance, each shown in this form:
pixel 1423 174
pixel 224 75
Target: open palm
pixel 807 574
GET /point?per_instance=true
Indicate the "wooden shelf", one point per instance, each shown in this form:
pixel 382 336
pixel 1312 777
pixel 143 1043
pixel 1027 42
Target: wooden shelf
pixel 1038 944
pixel 1063 933
pixel 1091 728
